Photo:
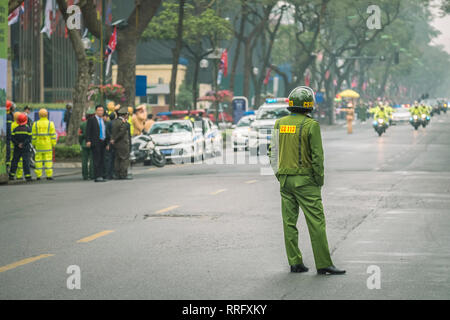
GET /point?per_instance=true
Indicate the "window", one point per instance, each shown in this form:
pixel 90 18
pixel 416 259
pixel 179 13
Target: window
pixel 152 99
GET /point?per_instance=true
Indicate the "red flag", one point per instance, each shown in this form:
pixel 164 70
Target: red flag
pixel 224 62
pixel 354 83
pixel 327 74
pixel 364 86
pixel 112 43
pixel 307 79
pixel 266 79
pixel 14 16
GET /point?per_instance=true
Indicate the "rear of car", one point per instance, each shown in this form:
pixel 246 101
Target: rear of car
pixel 240 135
pixel 401 115
pixel 261 128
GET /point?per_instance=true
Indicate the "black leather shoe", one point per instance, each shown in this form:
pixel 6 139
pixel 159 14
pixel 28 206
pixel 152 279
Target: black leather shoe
pixel 38 179
pixel 50 178
pixel 99 180
pixel 330 270
pixel 299 268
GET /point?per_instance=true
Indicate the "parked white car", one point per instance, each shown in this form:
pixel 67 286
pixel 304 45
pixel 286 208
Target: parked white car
pixel 241 132
pixel 261 128
pixel 178 140
pixel 212 137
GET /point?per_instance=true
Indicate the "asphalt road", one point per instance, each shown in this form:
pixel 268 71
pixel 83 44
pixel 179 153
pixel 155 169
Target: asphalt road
pixel 214 231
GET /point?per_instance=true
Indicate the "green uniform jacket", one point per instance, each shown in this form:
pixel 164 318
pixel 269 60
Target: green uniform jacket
pixel 120 135
pixel 415 111
pixel 82 136
pixel 380 114
pixel 287 158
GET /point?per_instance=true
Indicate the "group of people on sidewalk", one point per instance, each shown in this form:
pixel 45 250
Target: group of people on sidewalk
pixel 105 140
pixel 21 135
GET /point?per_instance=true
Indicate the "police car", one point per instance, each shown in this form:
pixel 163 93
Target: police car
pixel 239 137
pixel 261 129
pixel 178 140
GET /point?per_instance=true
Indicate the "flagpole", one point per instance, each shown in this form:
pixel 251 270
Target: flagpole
pixel 102 79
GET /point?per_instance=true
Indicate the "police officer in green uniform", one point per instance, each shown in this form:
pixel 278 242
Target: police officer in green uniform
pixel 87 162
pixel 296 157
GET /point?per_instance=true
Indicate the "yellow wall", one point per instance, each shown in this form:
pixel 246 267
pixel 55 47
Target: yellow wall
pixel 156 71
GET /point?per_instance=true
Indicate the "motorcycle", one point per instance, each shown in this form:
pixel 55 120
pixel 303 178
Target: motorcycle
pixel 424 119
pixel 415 121
pixel 380 126
pixel 143 150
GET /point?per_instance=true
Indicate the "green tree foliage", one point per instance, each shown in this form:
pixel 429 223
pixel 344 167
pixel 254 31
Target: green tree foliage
pixel 203 29
pixel 184 97
pixel 199 25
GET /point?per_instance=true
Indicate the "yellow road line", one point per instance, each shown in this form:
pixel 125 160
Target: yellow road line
pixel 23 262
pixel 168 209
pixel 95 236
pixel 218 191
pixel 251 181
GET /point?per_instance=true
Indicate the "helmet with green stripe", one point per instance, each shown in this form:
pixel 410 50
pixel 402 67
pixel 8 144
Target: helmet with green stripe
pixel 301 99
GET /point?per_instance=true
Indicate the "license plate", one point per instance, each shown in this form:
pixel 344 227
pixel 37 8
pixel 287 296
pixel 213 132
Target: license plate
pixel 167 151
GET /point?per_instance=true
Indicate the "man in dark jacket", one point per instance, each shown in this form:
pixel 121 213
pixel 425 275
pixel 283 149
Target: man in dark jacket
pixel 67 115
pixel 21 138
pixel 110 152
pixel 87 162
pixel 120 140
pixel 96 139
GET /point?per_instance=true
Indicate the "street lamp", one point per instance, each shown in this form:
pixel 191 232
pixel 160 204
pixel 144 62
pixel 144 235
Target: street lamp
pixel 255 71
pixel 86 43
pixel 204 63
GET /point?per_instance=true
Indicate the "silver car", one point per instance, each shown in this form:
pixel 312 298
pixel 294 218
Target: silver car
pixel 401 115
pixel 240 135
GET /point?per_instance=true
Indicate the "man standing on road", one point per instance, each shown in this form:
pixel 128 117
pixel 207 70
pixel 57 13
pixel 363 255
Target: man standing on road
pixel 296 156
pixel 96 140
pixel 120 140
pixel 9 122
pixel 27 111
pixel 21 137
pixel 44 140
pixel 87 163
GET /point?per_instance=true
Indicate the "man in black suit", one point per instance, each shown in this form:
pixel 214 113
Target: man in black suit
pixel 96 139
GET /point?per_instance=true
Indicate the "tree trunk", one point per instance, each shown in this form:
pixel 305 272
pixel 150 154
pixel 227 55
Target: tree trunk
pixel 238 48
pixel 126 76
pixel 247 69
pixel 385 78
pixel 79 100
pixel 127 39
pixel 195 84
pixel 84 72
pixel 176 56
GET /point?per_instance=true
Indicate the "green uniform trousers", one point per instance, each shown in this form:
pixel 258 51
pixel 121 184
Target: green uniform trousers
pixel 87 163
pixel 301 191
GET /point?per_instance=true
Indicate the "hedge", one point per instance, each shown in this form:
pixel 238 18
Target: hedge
pixel 37 106
pixel 63 152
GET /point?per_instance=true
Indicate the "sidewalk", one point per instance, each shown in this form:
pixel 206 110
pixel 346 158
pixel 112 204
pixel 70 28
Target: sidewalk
pixel 61 169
